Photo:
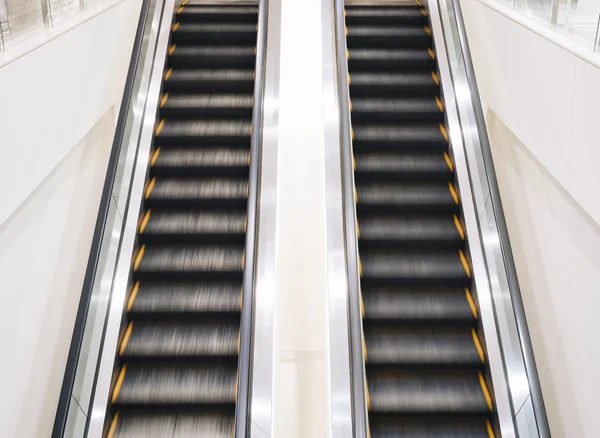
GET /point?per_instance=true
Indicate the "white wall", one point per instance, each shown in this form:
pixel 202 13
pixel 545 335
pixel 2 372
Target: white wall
pixel 58 107
pixel 541 108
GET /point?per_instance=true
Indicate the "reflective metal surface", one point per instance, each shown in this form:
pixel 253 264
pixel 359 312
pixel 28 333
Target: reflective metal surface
pixel 261 398
pixel 502 299
pixel 480 276
pixel 337 284
pixel 119 285
pixel 357 363
pixel 244 369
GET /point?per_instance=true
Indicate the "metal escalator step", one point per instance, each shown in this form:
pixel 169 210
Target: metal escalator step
pixel 422 346
pixel 193 132
pixel 423 230
pixel 398 136
pixel 390 59
pixel 209 81
pixel 198 12
pixel 215 192
pixel 185 298
pixel 393 84
pixel 390 36
pixel 399 165
pixel 214 33
pixel 441 304
pixel 433 428
pixel 178 262
pixel 164 226
pixel 401 196
pixel 207 105
pixel 133 425
pixel 411 266
pixel 157 385
pixel 400 16
pixel 174 340
pixel 437 393
pixel 205 162
pixel 212 56
pixel 397 110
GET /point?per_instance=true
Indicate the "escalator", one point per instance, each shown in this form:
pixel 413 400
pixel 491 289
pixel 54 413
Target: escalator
pixel 176 371
pixel 424 354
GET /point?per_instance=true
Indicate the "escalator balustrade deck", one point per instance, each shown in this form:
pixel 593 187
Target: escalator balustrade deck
pixel 178 357
pixel 425 361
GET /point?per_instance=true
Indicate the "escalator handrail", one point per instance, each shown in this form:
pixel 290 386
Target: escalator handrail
pixel 357 372
pixel 505 246
pixel 62 410
pixel 242 413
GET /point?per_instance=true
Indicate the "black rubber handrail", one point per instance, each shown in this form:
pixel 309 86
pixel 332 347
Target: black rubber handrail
pixel 62 410
pixel 509 263
pixel 242 414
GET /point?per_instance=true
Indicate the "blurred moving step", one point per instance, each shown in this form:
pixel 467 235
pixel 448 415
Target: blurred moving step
pixel 177 361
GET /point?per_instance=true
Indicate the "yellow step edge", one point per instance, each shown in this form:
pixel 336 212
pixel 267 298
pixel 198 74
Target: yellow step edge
pixel 478 345
pixel 428 30
pixel 155 156
pixel 453 192
pixel 149 187
pixel 362 305
pixel 138 257
pixel 239 341
pixel 364 348
pixel 360 270
pixel 159 127
pixel 439 104
pixel 176 26
pixel 490 430
pixel 431 53
pixel 126 339
pixel 241 297
pixel 443 131
pixel 164 100
pixel 115 394
pixel 145 221
pixel 486 392
pixel 235 390
pixel 435 78
pixel 133 294
pixel 172 49
pixel 459 227
pixel 449 161
pixel 180 9
pixel 424 12
pixel 168 74
pixel 465 262
pixel 471 302
pixel 357 229
pixel 113 426
pixel 245 223
pixel 368 397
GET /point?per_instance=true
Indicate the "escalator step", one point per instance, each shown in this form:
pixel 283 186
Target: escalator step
pixel 393 36
pixel 199 11
pixel 390 60
pixel 396 110
pixel 410 304
pixel 185 298
pixel 209 81
pixel 399 16
pixel 396 137
pixel 206 162
pixel 177 132
pixel 197 192
pixel 421 197
pixel 423 346
pixel 403 165
pixel 214 33
pixel 443 266
pixel 434 428
pixel 404 230
pixel 185 226
pixel 394 84
pixel 212 56
pixel 152 340
pixel 414 392
pixel 131 425
pixel 197 261
pixel 175 385
pixel 207 105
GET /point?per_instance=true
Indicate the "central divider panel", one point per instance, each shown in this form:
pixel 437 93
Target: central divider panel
pixel 177 362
